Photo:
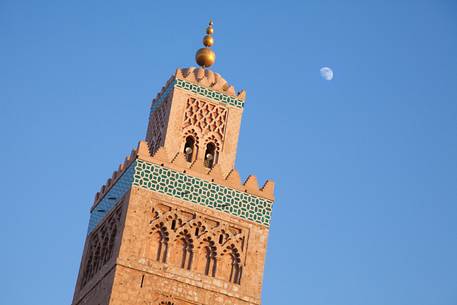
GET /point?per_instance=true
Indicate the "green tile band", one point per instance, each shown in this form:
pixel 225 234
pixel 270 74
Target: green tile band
pixel 205 92
pixel 209 93
pixel 173 183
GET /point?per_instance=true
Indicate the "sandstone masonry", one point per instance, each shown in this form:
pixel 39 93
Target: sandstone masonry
pixel 175 225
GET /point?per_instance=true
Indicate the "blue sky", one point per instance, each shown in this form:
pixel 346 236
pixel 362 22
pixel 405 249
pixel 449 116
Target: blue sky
pixel 365 165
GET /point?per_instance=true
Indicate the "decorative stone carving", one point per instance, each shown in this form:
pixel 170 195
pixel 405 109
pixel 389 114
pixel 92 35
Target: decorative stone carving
pixel 196 242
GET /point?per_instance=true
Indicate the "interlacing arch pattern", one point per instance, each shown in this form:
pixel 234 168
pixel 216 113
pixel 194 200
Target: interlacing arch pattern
pixel 205 116
pixel 197 243
pixel 192 132
pixel 213 138
pixel 187 249
pixel 101 246
pixel 156 128
pixel 211 257
pixel 162 243
pixel 235 260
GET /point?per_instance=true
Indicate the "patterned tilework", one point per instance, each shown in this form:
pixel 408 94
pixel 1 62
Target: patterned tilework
pixel 214 95
pixel 167 181
pixel 205 92
pixel 122 185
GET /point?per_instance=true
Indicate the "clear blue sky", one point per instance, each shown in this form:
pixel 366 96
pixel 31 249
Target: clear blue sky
pixel 365 165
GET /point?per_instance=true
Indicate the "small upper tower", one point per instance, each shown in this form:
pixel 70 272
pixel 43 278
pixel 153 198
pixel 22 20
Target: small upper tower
pixel 198 113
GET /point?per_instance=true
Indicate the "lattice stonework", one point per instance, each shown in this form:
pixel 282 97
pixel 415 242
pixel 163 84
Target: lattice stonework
pixel 167 181
pixel 205 116
pixel 158 120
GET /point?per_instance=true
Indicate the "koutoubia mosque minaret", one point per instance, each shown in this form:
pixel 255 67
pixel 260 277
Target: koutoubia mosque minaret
pixel 174 224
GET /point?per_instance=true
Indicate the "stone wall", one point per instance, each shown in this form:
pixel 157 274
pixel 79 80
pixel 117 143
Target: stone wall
pixel 144 275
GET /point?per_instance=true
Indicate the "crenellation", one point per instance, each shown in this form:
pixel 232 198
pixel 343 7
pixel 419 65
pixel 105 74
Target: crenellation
pixel 269 188
pixel 231 90
pixel 251 184
pixel 241 95
pixel 114 178
pixel 232 179
pixel 209 79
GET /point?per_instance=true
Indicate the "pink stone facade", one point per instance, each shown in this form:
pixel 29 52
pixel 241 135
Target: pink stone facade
pixel 153 248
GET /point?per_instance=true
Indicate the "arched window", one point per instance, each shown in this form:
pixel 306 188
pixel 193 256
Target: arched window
pixel 210 155
pixel 112 239
pixel 211 262
pixel 104 248
pixel 187 251
pixel 101 246
pixel 163 245
pixel 88 268
pixel 189 149
pixel 236 268
pixel 97 257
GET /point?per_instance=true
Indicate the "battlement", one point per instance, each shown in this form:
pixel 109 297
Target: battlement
pixel 196 168
pixel 114 177
pixel 178 162
pixel 209 79
pixel 189 181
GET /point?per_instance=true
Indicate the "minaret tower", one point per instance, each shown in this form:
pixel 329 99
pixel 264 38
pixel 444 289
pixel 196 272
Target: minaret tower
pixel 174 225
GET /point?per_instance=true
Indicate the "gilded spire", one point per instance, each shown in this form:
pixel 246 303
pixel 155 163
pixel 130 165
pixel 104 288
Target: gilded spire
pixel 206 57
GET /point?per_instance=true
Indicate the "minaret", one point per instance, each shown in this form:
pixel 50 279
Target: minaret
pixel 174 224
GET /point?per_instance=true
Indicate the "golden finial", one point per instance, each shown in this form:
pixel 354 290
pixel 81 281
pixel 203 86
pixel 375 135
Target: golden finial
pixel 206 57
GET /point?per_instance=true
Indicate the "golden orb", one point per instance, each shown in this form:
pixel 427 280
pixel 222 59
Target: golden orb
pixel 210 30
pixel 205 57
pixel 208 40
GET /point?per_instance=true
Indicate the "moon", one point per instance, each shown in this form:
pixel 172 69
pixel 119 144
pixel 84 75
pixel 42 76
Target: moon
pixel 326 73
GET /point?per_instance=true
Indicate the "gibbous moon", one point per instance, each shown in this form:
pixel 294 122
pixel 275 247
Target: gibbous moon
pixel 326 73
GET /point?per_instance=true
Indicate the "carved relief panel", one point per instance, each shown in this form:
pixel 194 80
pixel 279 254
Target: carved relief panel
pixel 157 125
pixel 198 243
pixel 101 245
pixel 205 121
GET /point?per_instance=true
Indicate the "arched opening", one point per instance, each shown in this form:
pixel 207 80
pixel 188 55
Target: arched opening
pixel 235 274
pixel 162 249
pixel 210 155
pixel 112 238
pixel 189 149
pixel 211 260
pixel 187 252
pixel 232 265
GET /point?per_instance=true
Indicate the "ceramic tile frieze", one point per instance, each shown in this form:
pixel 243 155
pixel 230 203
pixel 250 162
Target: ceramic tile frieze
pixel 214 95
pixel 205 92
pixel 122 185
pixel 199 191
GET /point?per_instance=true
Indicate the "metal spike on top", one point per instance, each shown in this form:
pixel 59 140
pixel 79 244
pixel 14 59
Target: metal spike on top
pixel 205 57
